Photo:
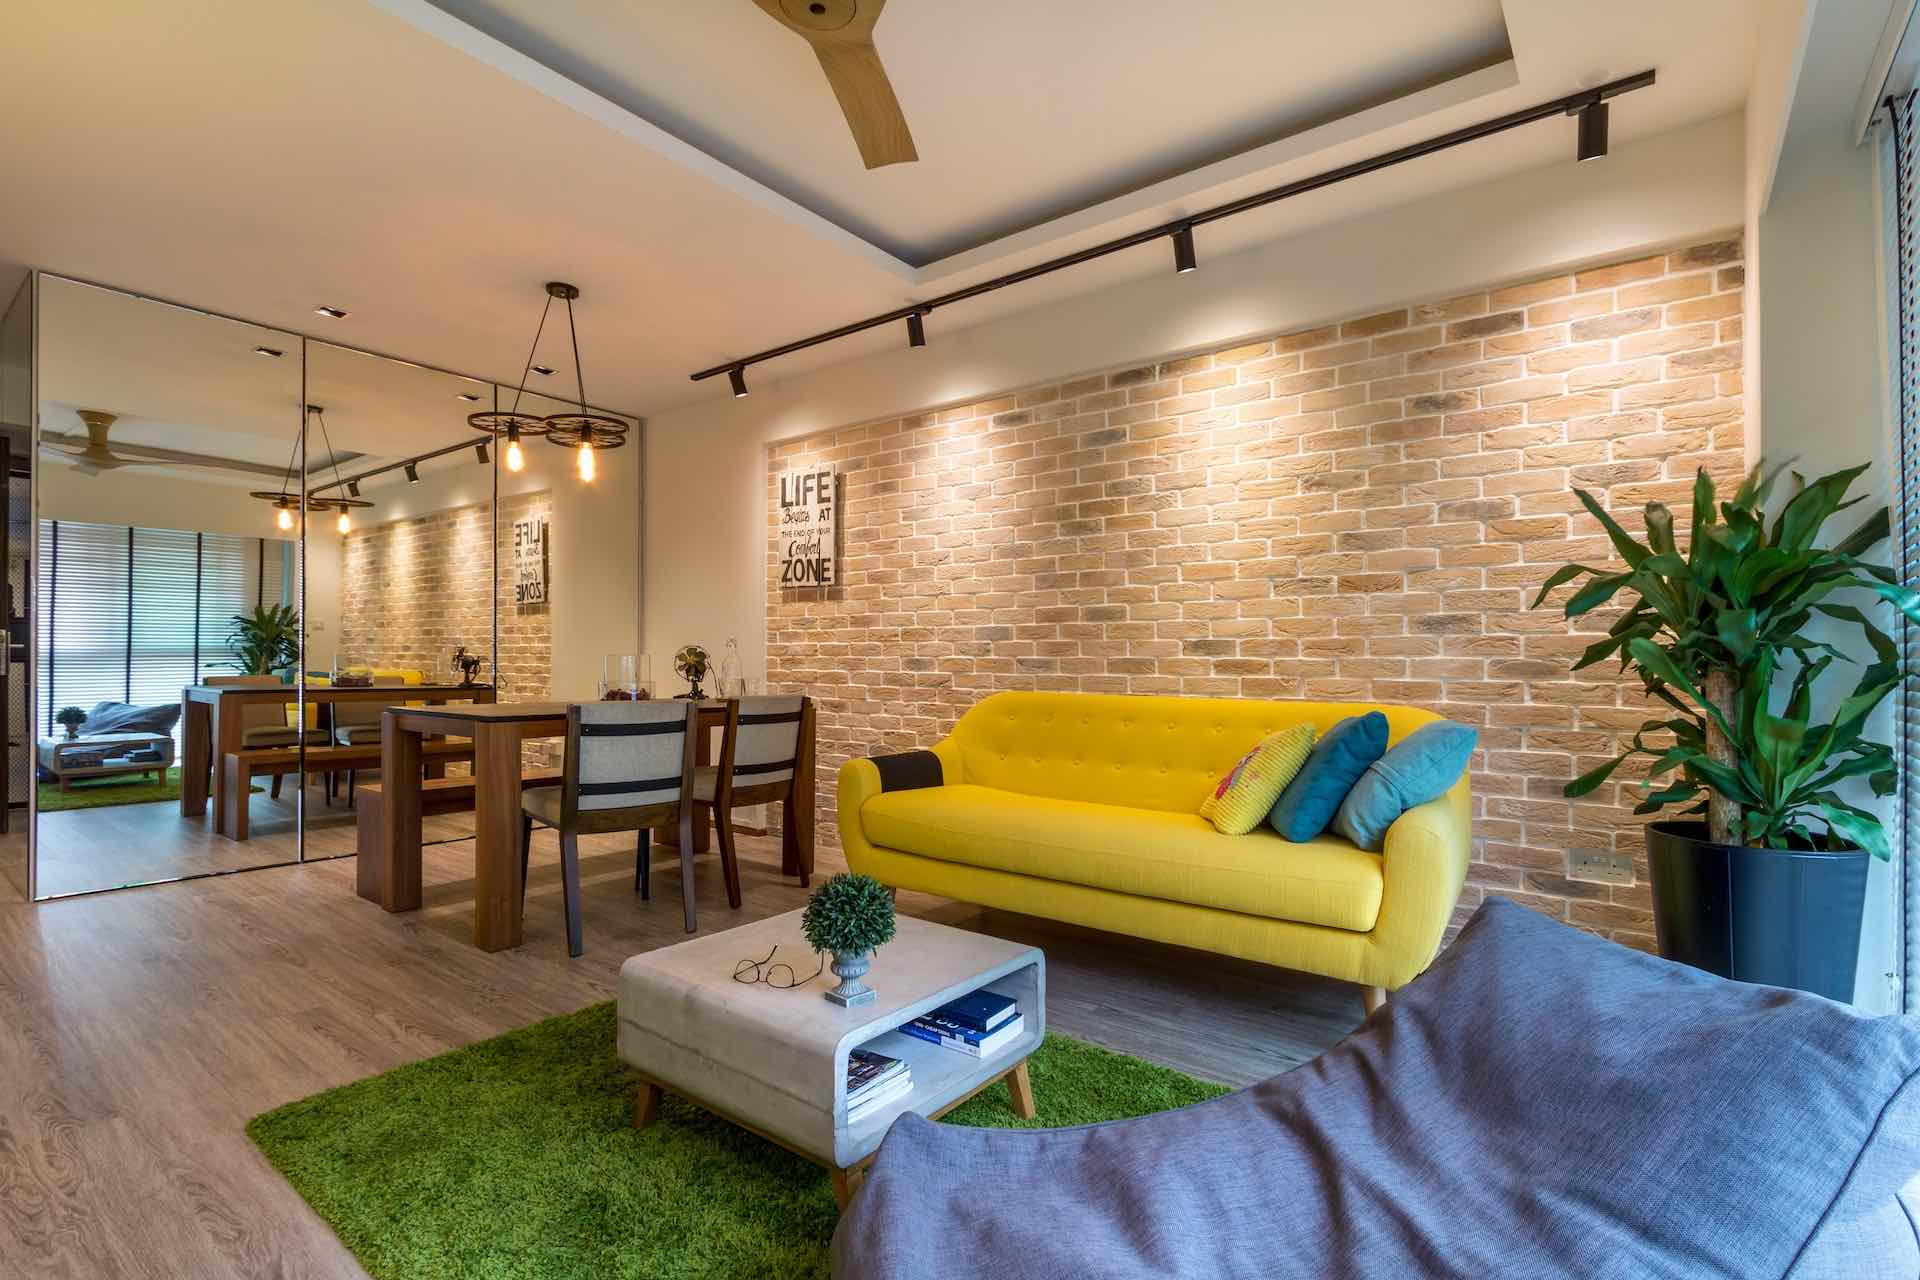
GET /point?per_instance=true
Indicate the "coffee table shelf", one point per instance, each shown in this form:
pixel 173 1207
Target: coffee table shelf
pixel 774 1061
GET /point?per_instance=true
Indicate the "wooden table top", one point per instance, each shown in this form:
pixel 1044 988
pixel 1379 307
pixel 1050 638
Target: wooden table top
pixel 514 712
pixel 323 692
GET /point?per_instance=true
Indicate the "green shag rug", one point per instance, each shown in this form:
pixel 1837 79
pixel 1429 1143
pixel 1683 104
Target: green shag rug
pixel 114 789
pixel 516 1159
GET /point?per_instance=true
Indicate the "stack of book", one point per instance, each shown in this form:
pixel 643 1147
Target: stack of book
pixel 978 1024
pixel 874 1078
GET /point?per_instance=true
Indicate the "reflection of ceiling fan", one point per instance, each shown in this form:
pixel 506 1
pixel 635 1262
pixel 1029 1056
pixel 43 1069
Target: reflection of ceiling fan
pixel 95 456
pixel 841 33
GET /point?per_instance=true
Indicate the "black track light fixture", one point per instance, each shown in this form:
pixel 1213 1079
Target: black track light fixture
pixel 1183 259
pixel 353 488
pixel 737 379
pixel 480 452
pixel 413 473
pixel 916 331
pixel 1593 131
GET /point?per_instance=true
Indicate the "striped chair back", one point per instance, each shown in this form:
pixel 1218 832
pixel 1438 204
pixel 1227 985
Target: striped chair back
pixel 767 741
pixel 625 754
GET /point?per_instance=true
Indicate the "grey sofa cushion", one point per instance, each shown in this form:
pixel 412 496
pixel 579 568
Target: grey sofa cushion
pixel 1539 1103
pixel 121 717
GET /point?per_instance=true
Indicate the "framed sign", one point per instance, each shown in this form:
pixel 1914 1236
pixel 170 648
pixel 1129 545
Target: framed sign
pixel 530 561
pixel 809 523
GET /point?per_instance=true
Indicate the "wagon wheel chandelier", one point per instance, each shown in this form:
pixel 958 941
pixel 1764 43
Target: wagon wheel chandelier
pixel 580 429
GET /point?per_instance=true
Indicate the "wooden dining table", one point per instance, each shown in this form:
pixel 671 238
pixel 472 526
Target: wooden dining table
pixel 211 717
pixel 390 873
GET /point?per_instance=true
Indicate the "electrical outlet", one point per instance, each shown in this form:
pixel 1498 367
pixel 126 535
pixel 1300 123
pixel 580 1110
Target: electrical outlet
pixel 1599 866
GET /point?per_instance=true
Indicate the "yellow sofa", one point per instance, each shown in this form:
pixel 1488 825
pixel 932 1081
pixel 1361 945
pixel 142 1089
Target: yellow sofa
pixel 1085 808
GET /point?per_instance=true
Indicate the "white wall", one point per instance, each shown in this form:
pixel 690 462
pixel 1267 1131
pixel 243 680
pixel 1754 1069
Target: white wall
pixel 706 531
pixel 1823 340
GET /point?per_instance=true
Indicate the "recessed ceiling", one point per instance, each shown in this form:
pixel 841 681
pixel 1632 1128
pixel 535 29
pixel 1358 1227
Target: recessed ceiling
pixel 388 158
pixel 1020 112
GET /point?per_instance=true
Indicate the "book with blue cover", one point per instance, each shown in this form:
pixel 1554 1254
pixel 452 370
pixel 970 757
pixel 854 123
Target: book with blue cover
pixel 951 1035
pixel 982 1010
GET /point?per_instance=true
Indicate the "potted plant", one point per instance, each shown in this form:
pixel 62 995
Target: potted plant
pixel 70 719
pixel 266 640
pixel 849 915
pixel 1769 888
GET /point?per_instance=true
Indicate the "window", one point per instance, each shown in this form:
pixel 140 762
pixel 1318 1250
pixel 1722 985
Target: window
pixel 131 615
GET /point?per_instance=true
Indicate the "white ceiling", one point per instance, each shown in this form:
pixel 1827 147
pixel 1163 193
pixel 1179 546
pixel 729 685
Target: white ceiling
pixel 386 157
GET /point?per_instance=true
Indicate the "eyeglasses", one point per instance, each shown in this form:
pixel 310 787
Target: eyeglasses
pixel 779 975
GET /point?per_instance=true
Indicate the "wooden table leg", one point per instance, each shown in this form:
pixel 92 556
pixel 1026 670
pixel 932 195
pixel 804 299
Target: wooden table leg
pixel 497 922
pixel 393 875
pixel 845 1183
pixel 646 1105
pixel 196 734
pixel 1020 1090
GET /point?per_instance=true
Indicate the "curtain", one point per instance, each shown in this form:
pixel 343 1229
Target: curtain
pixel 1901 170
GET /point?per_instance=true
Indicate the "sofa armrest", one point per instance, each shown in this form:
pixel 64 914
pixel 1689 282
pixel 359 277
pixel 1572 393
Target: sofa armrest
pixel 863 779
pixel 1424 864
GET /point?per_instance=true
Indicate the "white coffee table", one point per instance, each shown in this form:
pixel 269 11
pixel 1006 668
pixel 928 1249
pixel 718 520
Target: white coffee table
pixel 774 1061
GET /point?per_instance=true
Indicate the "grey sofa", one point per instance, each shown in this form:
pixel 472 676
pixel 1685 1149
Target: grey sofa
pixel 1540 1103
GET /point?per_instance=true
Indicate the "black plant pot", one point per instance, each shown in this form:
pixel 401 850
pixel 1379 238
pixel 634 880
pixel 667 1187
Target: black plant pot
pixel 1775 916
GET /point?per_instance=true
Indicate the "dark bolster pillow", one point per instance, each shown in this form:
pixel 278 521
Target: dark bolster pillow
pixel 909 771
pixel 1540 1103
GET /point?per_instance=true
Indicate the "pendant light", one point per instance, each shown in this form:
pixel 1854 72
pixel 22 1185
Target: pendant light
pixel 583 431
pixel 510 424
pixel 286 499
pixel 345 503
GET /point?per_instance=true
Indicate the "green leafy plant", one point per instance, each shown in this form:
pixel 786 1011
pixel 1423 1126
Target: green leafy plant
pixel 848 915
pixel 1708 628
pixel 265 640
pixel 70 719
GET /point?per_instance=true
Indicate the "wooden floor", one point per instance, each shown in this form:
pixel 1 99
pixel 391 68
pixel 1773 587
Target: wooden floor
pixel 139 1030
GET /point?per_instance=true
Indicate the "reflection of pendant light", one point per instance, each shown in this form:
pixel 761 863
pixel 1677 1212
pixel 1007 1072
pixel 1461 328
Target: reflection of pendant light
pixel 286 499
pixel 344 524
pixel 343 505
pixel 285 519
pixel 579 429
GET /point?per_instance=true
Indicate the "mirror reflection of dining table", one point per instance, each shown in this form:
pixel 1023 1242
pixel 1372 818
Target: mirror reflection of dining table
pixel 390 873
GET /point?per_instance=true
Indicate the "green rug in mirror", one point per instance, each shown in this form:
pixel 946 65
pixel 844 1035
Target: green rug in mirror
pixel 515 1159
pixel 111 791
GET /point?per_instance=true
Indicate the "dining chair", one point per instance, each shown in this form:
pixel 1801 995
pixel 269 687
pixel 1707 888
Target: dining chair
pixel 628 767
pixel 759 763
pixel 264 724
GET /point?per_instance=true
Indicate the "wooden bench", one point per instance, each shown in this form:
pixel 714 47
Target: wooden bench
pixel 437 795
pixel 243 766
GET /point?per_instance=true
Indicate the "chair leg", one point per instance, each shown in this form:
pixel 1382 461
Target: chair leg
pixel 570 887
pixel 352 782
pixel 729 863
pixel 526 847
pixel 686 864
pixel 277 778
pixel 643 865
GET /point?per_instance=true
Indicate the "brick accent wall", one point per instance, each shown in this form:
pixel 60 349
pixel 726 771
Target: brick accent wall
pixel 413 590
pixel 1361 511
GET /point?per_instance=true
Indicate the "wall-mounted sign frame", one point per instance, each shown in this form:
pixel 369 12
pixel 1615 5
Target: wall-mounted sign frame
pixel 808 526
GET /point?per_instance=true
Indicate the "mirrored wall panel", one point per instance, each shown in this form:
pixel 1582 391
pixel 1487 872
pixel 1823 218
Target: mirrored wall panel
pixel 166 592
pixel 16 541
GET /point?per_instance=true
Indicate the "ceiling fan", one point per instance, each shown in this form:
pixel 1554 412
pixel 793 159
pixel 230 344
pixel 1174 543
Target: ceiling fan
pixel 95 456
pixel 841 33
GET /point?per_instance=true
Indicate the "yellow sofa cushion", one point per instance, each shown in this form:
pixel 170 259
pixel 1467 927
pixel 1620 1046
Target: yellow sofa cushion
pixel 1245 796
pixel 1143 752
pixel 1146 852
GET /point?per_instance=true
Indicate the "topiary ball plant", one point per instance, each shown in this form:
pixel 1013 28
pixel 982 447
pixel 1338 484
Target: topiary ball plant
pixel 848 915
pixel 71 718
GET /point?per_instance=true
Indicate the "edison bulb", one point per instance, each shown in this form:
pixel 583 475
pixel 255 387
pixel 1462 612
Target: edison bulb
pixel 586 461
pixel 343 524
pixel 515 459
pixel 284 519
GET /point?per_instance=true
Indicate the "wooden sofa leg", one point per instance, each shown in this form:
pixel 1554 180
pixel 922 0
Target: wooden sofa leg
pixel 1373 998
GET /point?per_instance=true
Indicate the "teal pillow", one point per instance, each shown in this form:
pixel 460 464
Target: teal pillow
pixel 1308 804
pixel 1422 766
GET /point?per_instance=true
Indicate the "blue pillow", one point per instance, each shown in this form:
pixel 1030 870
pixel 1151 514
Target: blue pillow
pixel 1308 804
pixel 1422 766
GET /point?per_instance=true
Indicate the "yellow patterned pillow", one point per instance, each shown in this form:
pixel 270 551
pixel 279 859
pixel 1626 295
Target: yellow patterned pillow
pixel 1241 801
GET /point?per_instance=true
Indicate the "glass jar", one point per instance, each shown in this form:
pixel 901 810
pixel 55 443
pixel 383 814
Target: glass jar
pixel 732 681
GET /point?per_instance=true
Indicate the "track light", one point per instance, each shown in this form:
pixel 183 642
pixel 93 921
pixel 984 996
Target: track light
pixel 413 474
pixel 916 332
pixel 353 488
pixel 515 459
pixel 480 452
pixel 1593 132
pixel 584 460
pixel 1183 259
pixel 737 378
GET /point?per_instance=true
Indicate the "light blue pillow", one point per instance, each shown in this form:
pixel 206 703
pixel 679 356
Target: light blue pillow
pixel 1339 758
pixel 1422 766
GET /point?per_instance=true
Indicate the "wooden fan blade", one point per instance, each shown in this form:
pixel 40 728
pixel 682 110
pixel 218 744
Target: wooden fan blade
pixel 841 33
pixel 866 99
